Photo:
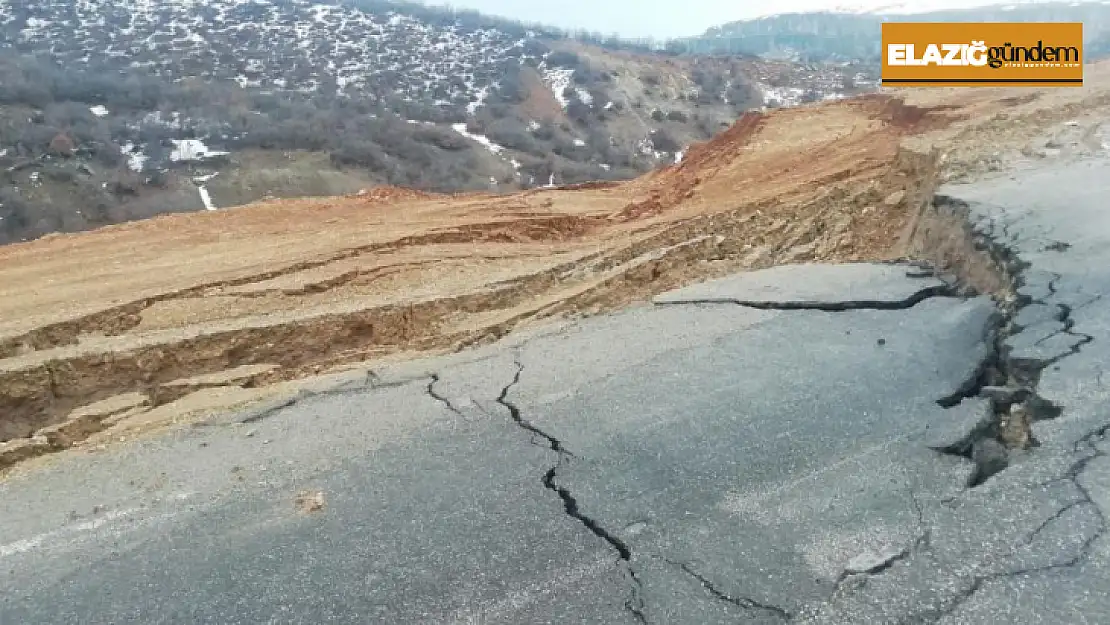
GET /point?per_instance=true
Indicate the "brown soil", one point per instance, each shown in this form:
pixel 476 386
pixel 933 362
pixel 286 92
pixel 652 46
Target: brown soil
pixel 309 501
pixel 539 103
pixel 106 326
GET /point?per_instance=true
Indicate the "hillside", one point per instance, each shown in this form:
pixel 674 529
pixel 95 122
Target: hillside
pixel 853 34
pixel 112 111
pixel 135 325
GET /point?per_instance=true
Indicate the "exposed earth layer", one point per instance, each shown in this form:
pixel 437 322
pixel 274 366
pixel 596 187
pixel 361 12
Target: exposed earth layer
pixel 118 331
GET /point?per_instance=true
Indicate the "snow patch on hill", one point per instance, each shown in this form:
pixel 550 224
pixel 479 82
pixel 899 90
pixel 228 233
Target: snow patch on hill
pixel 295 45
pixel 557 80
pixel 482 139
pixel 192 150
pixel 136 159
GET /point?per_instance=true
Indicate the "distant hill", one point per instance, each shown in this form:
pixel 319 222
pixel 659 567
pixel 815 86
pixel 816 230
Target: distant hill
pixel 832 36
pixel 123 109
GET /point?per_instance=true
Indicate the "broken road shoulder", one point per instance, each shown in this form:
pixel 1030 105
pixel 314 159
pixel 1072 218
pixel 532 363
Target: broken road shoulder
pixel 1031 515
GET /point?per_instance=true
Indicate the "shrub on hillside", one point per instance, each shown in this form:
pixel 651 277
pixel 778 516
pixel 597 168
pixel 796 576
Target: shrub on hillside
pixel 535 47
pixel 562 58
pixel 664 142
pixel 424 112
pixel 36 138
pixel 512 134
pixel 442 138
pixel 598 95
pixel 568 149
pixel 574 173
pixel 510 89
pixel 544 132
pixel 445 175
pixel 584 76
pixel 15 214
pixel 61 175
pixel 743 95
pixel 537 171
pixel 497 109
pixel 156 178
pixel 360 153
pixel 411 153
pixel 579 112
pixel 705 126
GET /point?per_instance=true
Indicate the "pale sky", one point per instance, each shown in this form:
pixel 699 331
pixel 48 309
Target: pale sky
pixel 664 19
pixel 631 18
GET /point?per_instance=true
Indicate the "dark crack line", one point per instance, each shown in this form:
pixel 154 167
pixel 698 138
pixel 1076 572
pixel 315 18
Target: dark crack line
pixel 1056 277
pixel 1088 441
pixel 962 598
pixel 1049 337
pixel 553 443
pixel 1072 474
pixel 1008 374
pixel 570 505
pixel 943 290
pixel 1067 318
pixel 925 536
pixel 634 604
pixel 1073 350
pixel 1031 536
pixel 1068 329
pixel 272 409
pixel 920 542
pixel 985 372
pixel 742 602
pixel 431 390
pixel 1020 376
pixel 880 568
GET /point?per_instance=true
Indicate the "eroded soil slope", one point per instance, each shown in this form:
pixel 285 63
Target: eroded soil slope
pixel 133 325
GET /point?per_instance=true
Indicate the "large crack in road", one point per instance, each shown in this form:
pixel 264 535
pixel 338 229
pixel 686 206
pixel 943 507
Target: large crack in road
pixel 1006 380
pixel 744 603
pixel 1010 384
pixel 634 604
pixel 941 290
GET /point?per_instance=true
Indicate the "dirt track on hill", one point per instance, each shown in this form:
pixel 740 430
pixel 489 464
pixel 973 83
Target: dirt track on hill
pixel 128 327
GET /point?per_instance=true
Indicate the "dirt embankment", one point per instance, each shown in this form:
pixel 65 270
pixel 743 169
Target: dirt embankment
pixel 126 327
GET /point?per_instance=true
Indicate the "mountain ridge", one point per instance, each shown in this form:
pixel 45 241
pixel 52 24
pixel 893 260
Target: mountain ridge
pixel 830 36
pixel 887 8
pixel 121 110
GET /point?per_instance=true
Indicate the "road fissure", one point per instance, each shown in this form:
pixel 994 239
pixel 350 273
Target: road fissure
pixel 634 604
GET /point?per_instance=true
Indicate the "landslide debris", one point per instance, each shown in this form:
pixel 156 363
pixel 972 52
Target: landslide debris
pixel 222 305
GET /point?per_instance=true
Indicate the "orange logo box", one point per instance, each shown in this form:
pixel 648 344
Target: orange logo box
pixel 957 54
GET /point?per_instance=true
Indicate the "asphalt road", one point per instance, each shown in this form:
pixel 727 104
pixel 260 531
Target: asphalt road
pixel 764 448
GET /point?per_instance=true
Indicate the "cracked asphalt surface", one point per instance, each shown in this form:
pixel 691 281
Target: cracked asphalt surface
pixel 791 445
